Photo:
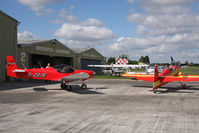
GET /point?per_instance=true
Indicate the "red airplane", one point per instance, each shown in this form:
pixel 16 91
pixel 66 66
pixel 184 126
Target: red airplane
pixel 63 73
pixel 169 74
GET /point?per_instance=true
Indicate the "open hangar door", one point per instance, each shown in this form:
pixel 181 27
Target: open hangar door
pixel 86 62
pixel 36 60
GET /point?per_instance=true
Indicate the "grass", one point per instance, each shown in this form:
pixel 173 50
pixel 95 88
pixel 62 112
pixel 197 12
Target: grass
pixel 190 71
pixel 185 71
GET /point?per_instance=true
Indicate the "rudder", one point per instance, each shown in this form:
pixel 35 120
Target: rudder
pixel 156 81
pixel 11 65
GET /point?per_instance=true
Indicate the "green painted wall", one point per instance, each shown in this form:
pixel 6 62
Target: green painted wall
pixel 8 37
pixel 90 54
pixel 47 48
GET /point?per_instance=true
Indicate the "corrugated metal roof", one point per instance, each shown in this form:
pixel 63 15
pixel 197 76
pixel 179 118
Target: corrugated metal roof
pixel 24 43
pixel 80 50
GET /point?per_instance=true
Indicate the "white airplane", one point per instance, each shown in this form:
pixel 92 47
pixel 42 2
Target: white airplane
pixel 117 68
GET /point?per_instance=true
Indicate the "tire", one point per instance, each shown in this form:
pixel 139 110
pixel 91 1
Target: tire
pixel 83 86
pixel 63 86
pixel 68 87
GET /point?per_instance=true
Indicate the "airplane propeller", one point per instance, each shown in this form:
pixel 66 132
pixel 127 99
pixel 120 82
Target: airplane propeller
pixel 172 58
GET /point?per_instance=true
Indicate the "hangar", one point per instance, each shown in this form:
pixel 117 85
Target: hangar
pixel 38 53
pixel 88 56
pixel 8 41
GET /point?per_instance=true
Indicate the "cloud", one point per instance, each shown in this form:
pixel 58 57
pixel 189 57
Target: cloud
pixel 131 1
pixel 141 30
pixel 67 16
pixel 92 22
pixel 80 34
pixel 38 5
pixel 56 21
pixel 136 17
pixel 26 35
pixel 164 28
pixel 72 7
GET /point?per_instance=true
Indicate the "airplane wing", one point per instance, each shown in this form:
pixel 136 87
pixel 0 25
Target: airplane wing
pixel 139 76
pixel 181 78
pixel 137 66
pixel 119 66
pixel 150 77
pixel 19 70
pixel 99 65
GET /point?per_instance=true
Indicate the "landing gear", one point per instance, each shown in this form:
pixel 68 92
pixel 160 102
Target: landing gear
pixel 63 86
pixel 184 86
pixel 83 86
pixel 155 91
pixel 66 87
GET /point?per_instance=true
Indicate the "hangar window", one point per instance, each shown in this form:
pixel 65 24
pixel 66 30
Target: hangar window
pixel 64 68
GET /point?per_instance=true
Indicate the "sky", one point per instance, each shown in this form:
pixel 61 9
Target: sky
pixel 157 28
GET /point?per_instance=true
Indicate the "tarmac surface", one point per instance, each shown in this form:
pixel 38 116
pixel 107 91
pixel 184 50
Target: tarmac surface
pixel 113 106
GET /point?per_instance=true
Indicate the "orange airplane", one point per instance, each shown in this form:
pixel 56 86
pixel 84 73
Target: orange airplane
pixel 169 74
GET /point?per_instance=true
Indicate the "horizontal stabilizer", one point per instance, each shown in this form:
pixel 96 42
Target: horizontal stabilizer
pixel 18 70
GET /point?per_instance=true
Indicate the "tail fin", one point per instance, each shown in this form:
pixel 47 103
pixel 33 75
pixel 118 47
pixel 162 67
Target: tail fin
pixel 11 65
pixel 156 73
pixel 156 81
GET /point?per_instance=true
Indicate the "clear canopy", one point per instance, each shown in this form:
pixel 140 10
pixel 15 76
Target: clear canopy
pixel 175 63
pixel 64 68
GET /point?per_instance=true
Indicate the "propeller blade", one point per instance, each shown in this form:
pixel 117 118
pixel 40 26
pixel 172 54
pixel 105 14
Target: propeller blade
pixel 172 58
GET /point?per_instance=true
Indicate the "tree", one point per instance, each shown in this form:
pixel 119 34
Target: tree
pixel 144 59
pixel 186 63
pixel 147 61
pixel 141 59
pixel 111 60
pixel 191 64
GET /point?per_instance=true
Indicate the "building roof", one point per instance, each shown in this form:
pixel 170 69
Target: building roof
pixel 26 43
pixel 80 50
pixel 3 13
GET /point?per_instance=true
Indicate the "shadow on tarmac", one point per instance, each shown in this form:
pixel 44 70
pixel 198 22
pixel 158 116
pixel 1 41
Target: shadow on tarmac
pixel 75 89
pixel 21 84
pixel 169 89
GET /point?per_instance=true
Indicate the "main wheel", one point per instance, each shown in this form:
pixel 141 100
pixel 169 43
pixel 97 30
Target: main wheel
pixel 155 91
pixel 63 86
pixel 83 86
pixel 68 87
pixel 184 86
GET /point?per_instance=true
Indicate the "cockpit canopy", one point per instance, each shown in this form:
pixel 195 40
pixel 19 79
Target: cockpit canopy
pixel 175 63
pixel 64 68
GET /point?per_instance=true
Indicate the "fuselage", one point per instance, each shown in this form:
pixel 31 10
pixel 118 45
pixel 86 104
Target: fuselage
pixel 53 74
pixel 169 71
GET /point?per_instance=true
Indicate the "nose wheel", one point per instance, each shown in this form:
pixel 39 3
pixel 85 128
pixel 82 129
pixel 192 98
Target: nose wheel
pixel 83 86
pixel 184 86
pixel 65 86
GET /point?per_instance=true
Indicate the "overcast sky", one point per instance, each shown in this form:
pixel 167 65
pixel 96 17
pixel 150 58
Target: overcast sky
pixel 157 28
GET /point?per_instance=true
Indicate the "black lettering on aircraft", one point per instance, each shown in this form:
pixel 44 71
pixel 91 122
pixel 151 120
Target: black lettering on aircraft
pixel 40 75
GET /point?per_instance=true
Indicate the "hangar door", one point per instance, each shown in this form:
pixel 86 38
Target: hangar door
pixel 86 62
